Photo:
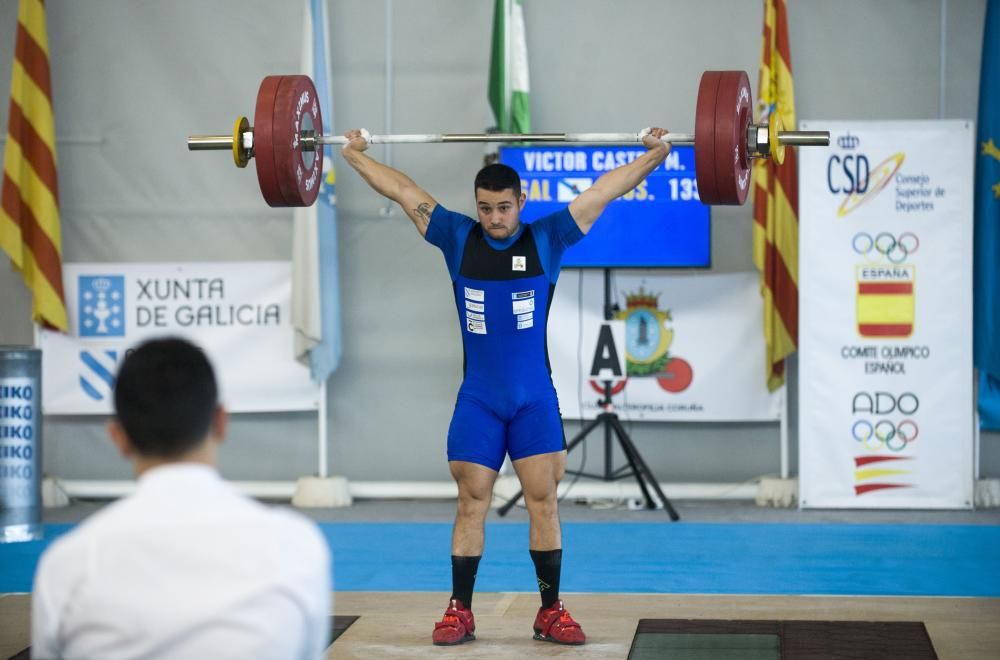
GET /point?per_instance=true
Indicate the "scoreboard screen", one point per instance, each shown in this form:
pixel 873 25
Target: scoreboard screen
pixel 660 224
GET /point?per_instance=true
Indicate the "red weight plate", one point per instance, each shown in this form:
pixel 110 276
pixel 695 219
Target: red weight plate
pixel 263 141
pixel 296 109
pixel 733 108
pixel 704 137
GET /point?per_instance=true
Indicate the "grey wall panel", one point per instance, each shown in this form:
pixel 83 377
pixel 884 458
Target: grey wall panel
pixel 963 58
pixel 132 79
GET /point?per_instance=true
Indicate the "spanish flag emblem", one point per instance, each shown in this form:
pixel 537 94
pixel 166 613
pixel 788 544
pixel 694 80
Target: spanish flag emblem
pixel 885 301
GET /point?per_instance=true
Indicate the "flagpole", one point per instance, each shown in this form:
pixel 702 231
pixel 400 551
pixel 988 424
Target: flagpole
pixel 388 208
pixel 321 439
pixel 943 55
pixel 783 429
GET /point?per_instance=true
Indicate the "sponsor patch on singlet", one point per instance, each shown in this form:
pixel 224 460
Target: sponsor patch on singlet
pixel 524 306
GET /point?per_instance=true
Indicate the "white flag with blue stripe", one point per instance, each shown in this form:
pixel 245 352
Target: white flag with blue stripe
pixel 315 270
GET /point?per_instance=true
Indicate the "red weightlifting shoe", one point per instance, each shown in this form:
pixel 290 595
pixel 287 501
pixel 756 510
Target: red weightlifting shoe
pixel 554 624
pixel 457 627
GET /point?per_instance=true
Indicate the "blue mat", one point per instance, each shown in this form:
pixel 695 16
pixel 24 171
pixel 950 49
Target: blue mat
pixel 708 558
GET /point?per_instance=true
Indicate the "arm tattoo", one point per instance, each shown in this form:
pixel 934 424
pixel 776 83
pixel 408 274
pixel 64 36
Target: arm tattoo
pixel 424 211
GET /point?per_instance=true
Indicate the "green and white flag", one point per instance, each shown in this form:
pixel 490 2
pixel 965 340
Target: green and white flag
pixel 508 91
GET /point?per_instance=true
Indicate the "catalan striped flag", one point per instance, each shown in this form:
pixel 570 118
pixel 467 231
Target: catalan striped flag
pixel 776 201
pixel 29 206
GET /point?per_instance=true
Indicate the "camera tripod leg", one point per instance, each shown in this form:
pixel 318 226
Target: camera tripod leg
pixel 643 473
pixel 630 457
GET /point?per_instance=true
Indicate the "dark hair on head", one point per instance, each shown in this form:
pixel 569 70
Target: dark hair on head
pixel 498 177
pixel 165 397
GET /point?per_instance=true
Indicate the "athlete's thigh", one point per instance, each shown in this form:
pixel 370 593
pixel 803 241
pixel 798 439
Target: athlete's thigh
pixel 540 474
pixel 474 480
pixel 476 434
pixel 536 429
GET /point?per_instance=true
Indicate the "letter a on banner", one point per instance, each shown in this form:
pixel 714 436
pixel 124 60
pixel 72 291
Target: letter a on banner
pixel 609 362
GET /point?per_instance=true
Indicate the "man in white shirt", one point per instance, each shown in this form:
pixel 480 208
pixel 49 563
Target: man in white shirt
pixel 185 567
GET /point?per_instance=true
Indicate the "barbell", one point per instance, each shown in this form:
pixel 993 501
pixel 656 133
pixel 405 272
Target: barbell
pixel 288 126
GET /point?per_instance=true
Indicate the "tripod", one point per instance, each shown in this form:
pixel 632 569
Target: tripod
pixel 608 419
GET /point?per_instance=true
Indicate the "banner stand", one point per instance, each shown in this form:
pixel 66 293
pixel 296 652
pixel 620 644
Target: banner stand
pixel 322 491
pixel 885 397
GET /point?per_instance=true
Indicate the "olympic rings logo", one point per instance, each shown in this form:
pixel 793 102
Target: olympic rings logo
pixel 895 249
pixel 894 437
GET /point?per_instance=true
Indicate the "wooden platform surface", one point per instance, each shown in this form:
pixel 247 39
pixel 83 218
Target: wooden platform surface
pixel 398 625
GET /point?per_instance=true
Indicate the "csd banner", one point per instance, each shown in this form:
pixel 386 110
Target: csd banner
pixel 237 311
pixel 693 349
pixel 885 316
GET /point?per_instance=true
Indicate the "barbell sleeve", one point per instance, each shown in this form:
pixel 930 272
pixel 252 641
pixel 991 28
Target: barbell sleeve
pixel 804 138
pixel 210 142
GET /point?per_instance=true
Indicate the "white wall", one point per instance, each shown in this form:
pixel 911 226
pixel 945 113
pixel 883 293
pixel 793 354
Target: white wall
pixel 132 79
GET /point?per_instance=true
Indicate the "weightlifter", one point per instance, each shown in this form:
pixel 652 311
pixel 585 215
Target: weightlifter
pixel 503 274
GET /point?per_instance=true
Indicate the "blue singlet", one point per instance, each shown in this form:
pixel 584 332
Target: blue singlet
pixel 507 403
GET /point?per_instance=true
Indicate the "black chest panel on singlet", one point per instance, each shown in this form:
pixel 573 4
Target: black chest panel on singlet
pixel 481 261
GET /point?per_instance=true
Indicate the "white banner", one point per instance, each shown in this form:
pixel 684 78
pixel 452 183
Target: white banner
pixel 238 312
pixel 694 346
pixel 885 316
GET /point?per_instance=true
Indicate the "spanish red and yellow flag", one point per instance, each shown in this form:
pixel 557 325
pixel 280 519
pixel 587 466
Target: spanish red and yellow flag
pixel 776 201
pixel 29 213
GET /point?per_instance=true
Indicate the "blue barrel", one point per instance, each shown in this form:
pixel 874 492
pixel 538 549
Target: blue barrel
pixel 20 444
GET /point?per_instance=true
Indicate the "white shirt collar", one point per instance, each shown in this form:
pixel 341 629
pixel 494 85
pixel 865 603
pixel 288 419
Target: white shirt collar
pixel 180 471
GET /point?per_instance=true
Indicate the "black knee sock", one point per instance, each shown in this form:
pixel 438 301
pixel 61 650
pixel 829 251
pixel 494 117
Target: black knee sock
pixel 463 578
pixel 548 565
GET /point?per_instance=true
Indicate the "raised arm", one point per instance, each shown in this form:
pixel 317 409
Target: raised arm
pixel 589 205
pixel 390 182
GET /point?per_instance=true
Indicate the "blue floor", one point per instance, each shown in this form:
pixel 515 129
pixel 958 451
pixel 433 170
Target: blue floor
pixel 708 558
